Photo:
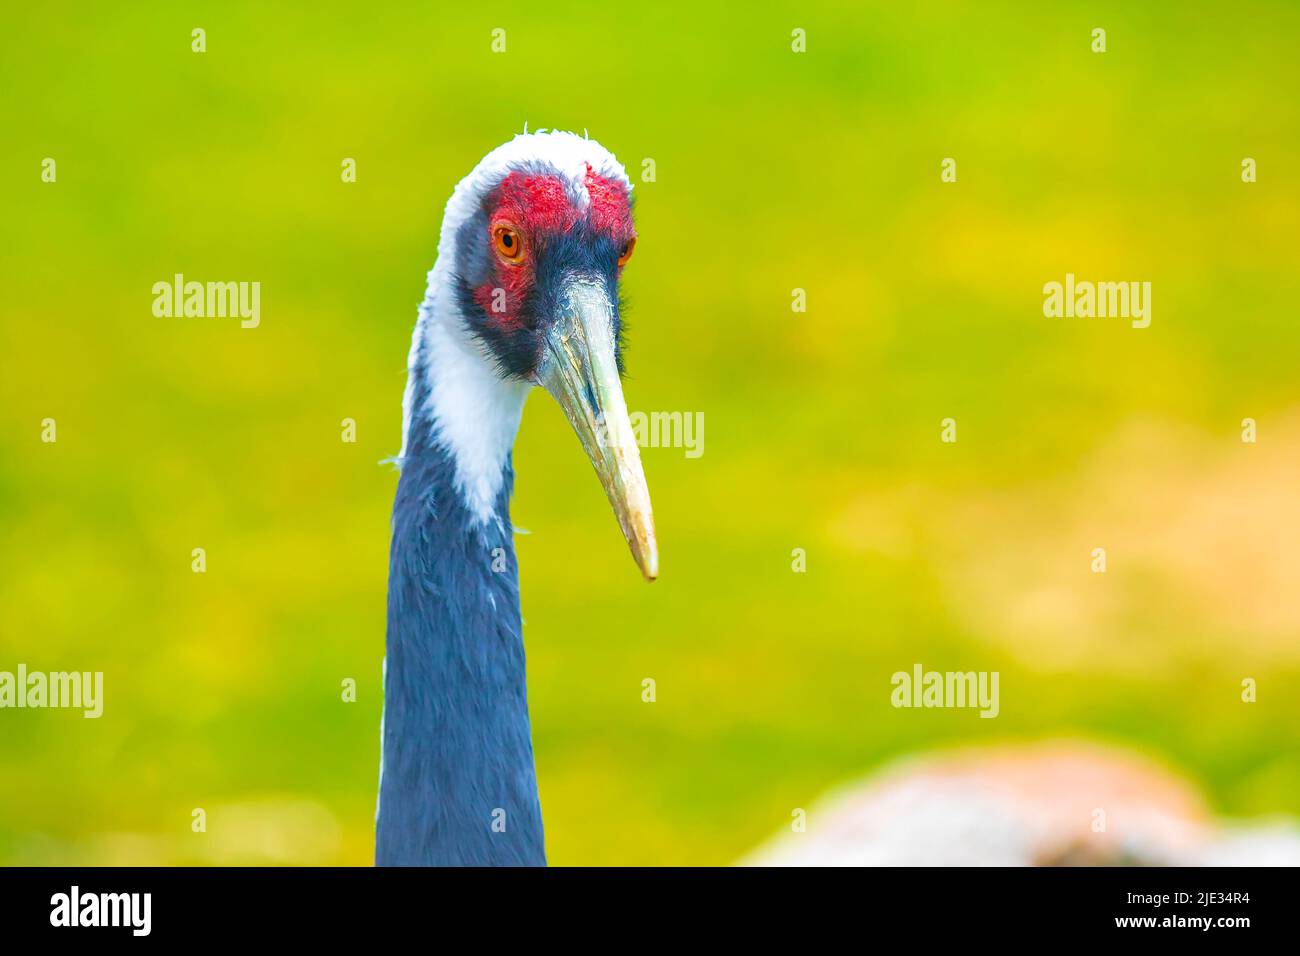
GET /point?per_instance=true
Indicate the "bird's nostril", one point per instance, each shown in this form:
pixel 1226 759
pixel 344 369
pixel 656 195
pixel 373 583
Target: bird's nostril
pixel 589 394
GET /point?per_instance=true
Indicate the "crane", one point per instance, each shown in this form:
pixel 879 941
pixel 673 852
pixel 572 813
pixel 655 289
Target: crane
pixel 524 292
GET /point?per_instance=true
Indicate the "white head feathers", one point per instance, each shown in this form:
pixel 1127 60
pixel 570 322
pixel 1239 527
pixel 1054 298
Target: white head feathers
pixel 473 411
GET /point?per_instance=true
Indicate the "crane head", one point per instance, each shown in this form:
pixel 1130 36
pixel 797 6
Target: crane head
pixel 541 232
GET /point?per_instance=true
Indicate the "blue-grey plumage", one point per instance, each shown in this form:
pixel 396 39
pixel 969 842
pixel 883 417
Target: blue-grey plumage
pixel 458 784
pixel 524 293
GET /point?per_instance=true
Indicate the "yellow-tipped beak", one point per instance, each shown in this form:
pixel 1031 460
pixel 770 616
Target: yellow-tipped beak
pixel 580 371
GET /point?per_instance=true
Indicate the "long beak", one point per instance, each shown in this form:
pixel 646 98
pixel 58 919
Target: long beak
pixel 580 371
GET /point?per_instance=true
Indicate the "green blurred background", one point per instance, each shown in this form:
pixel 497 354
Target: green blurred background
pixel 775 170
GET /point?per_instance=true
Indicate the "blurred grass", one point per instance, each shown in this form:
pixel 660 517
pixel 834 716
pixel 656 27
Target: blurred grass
pixel 775 171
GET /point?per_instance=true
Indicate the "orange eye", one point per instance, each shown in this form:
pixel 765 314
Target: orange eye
pixel 509 244
pixel 626 254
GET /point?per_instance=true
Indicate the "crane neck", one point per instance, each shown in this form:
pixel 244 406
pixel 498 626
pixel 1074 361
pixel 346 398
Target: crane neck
pixel 458 784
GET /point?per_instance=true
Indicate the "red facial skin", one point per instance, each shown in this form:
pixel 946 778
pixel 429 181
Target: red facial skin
pixel 534 206
pixel 610 211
